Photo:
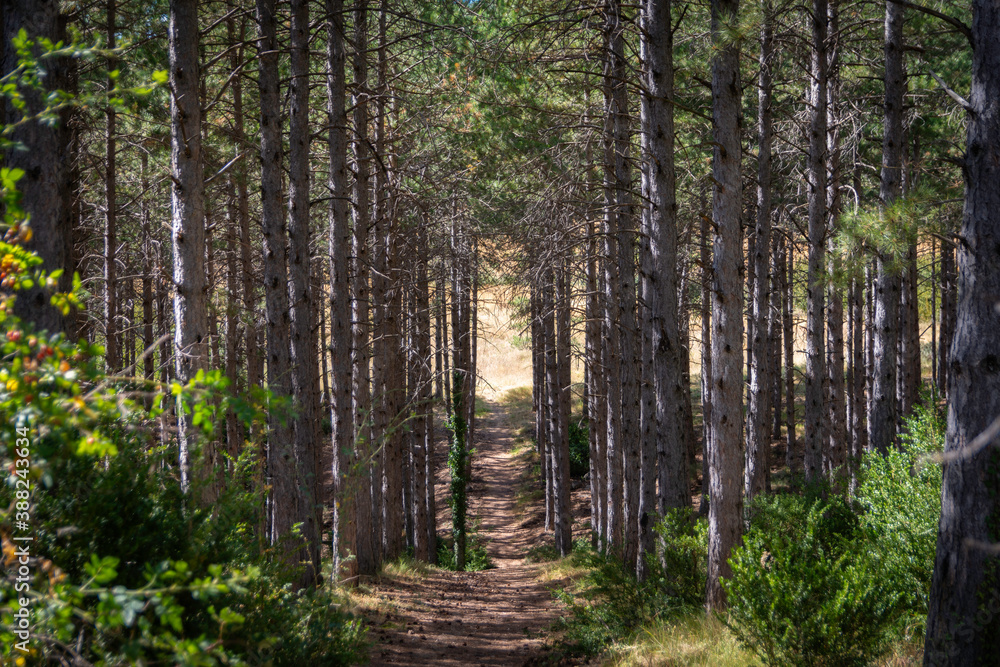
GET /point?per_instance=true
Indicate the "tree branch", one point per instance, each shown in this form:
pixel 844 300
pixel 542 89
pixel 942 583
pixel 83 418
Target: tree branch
pixel 962 102
pixel 950 20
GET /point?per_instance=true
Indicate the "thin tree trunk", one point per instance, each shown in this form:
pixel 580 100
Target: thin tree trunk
pixel 598 406
pixel 706 354
pixel 423 465
pixel 564 509
pixel 368 545
pixel 347 478
pixel 758 444
pixel 112 354
pixel 948 310
pixel 149 363
pixel 815 417
pixel 882 417
pixel 836 451
pixel 788 336
pixel 614 82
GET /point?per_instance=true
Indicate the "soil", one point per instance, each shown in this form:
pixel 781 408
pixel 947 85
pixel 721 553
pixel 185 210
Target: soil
pixel 499 616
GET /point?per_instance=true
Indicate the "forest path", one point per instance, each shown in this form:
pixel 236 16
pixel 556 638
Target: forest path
pixel 493 617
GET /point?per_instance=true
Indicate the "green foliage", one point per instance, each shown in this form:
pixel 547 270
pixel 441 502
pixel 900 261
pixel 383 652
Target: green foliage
pixel 29 81
pixel 579 448
pixel 900 494
pixel 610 604
pixel 477 558
pixel 105 561
pixel 807 588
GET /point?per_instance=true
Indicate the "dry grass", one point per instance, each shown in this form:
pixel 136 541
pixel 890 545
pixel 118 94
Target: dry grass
pixel 695 640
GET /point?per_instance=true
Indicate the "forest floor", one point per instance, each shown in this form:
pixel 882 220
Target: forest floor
pixel 498 616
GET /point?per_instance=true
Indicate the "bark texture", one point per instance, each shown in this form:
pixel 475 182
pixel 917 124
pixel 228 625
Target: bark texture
pixel 964 613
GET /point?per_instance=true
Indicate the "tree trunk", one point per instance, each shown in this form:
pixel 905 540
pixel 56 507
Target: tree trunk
pixel 347 478
pixel 883 417
pixel 661 292
pixel 423 451
pixel 613 81
pixel 188 207
pixel 149 362
pixel 835 453
pixel 305 380
pixel 725 515
pixel 112 354
pixel 815 433
pixel 963 623
pixel 597 411
pixel 46 188
pixel 948 310
pixel 254 361
pixel 758 442
pixel 788 336
pixel 706 355
pixel 563 509
pixel 368 545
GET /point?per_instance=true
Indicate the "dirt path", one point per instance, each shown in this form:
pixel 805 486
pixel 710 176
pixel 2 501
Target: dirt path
pixel 493 617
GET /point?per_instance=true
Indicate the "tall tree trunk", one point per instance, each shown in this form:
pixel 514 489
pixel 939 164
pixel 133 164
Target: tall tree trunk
pixel 112 354
pixel 661 291
pixel 234 436
pixel 346 480
pixel 149 362
pixel 597 411
pixel 815 433
pixel 835 452
pixel 461 385
pixel 725 514
pixel 188 206
pixel 758 442
pixel 962 623
pixel 613 359
pixel 948 310
pixel 774 331
pixel 564 509
pixel 367 509
pixel 882 416
pixel 46 187
pixel 423 451
pixel 705 354
pixel 556 435
pixel 280 449
pixel 788 336
pixel 305 378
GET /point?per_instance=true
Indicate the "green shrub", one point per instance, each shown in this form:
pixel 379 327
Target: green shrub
pixel 807 586
pixel 477 558
pixel 900 495
pixel 610 604
pixel 579 448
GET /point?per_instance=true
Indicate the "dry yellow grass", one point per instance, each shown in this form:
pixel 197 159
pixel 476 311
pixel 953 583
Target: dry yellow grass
pixel 695 640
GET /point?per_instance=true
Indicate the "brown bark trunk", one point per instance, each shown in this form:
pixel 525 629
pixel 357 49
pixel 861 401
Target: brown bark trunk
pixel 962 623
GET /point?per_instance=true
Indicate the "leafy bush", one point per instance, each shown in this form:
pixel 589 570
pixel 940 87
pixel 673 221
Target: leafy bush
pixel 611 604
pixel 900 495
pixel 579 448
pixel 807 586
pixel 476 556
